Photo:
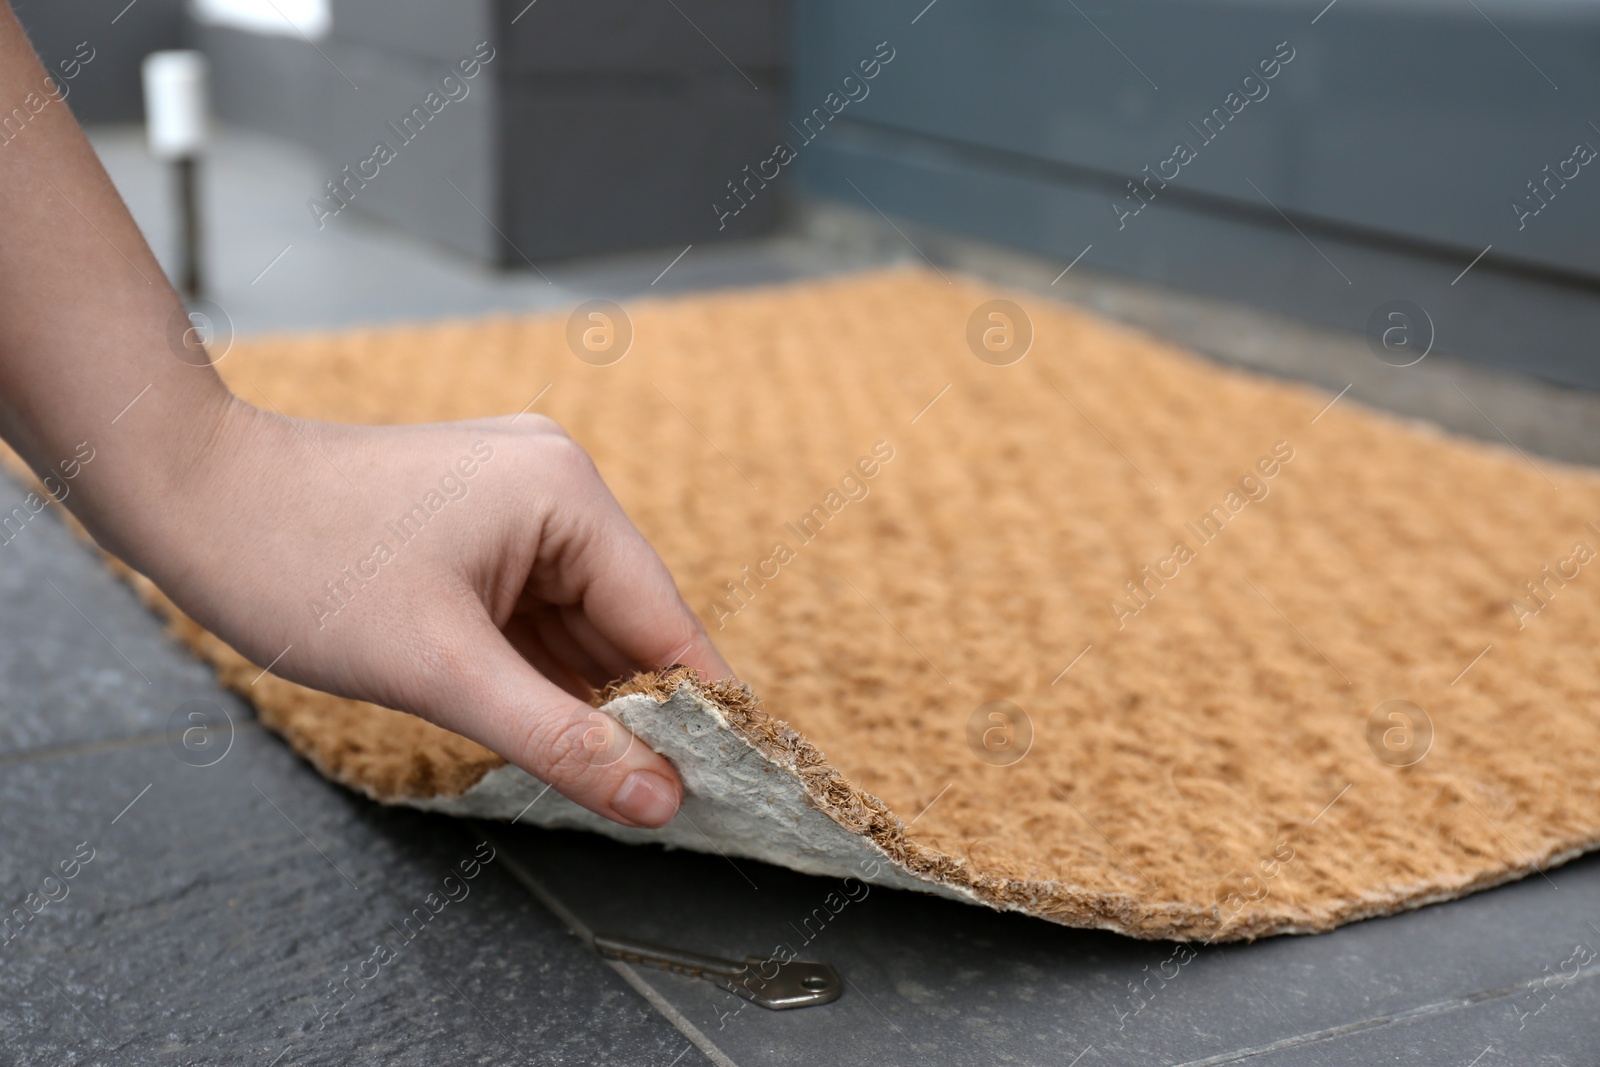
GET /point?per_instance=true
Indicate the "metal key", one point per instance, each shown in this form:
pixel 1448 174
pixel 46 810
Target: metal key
pixel 767 982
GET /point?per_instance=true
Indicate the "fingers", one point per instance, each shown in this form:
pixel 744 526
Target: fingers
pixel 629 612
pixel 698 652
pixel 541 635
pixel 499 700
pixel 694 651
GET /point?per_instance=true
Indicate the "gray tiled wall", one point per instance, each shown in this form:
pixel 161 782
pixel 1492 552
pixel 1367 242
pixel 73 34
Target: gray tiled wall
pixel 121 35
pixel 596 126
pixel 1378 163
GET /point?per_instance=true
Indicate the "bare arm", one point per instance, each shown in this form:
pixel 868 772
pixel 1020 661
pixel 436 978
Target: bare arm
pixel 496 627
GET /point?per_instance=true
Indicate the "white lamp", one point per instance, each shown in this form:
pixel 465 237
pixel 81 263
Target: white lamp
pixel 175 109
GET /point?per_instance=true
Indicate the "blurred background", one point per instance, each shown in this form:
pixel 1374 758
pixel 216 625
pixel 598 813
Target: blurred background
pixel 1392 146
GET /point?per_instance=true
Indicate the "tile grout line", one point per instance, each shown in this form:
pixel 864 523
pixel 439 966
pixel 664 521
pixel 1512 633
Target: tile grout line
pixel 45 753
pixel 1421 1011
pixel 581 930
pixel 672 1015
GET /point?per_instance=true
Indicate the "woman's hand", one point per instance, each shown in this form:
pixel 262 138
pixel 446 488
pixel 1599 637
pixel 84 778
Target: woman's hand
pixel 477 574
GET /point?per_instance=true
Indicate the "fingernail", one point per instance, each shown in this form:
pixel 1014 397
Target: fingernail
pixel 646 798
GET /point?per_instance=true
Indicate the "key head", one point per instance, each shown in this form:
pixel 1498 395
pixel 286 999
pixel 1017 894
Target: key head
pixel 796 984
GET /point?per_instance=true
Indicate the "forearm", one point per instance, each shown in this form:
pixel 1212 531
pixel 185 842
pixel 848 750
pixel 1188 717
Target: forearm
pixel 497 624
pixel 87 338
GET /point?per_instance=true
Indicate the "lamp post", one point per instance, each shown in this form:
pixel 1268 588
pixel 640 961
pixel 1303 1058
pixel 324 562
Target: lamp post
pixel 175 127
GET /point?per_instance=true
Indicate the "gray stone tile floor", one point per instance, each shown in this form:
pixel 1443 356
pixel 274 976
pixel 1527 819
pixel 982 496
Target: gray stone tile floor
pixel 220 905
pixel 229 888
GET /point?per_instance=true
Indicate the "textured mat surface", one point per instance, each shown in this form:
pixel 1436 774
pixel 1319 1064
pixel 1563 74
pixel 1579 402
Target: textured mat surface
pixel 1107 634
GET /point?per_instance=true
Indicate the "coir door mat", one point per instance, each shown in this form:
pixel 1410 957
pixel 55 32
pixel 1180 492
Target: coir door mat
pixel 1106 634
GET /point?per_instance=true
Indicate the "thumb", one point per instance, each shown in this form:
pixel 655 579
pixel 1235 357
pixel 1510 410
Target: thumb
pixel 499 700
